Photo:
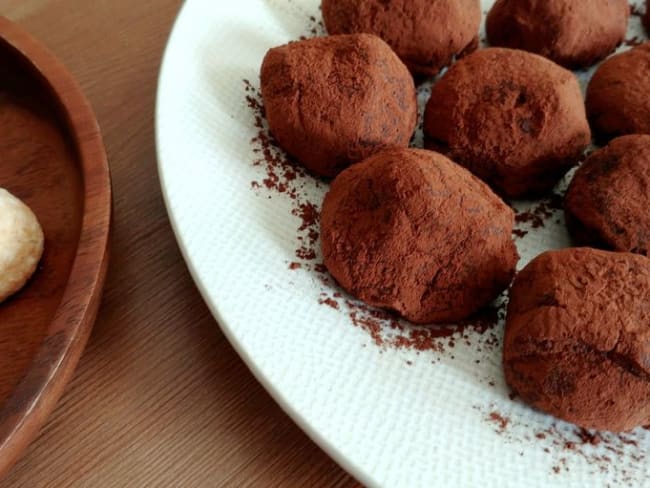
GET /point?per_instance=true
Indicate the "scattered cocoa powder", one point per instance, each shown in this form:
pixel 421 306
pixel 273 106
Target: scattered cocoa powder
pixel 386 330
pixel 634 41
pixel 330 302
pixel 536 217
pixel 501 421
pixel 283 177
pixel 636 11
pixel 617 455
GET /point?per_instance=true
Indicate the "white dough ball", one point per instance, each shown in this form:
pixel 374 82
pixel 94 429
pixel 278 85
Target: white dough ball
pixel 21 244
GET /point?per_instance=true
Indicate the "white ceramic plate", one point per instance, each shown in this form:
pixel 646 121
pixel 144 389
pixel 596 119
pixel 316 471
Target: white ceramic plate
pixel 395 407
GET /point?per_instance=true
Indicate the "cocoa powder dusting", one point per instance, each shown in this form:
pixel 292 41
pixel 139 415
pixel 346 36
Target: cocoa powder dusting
pixel 634 41
pixel 501 421
pixel 283 177
pixel 386 330
pixel 617 455
pixel 330 302
pixel 536 217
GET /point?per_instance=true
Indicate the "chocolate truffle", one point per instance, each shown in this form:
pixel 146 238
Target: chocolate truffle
pixel 410 231
pixel 333 101
pixel 514 119
pixel 572 33
pixel 425 34
pixel 617 96
pixel 608 204
pixel 577 337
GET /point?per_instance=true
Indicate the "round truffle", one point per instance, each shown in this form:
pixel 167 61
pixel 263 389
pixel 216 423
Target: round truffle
pixel 617 96
pixel 514 119
pixel 572 33
pixel 577 337
pixel 21 244
pixel 333 101
pixel 607 204
pixel 410 231
pixel 425 34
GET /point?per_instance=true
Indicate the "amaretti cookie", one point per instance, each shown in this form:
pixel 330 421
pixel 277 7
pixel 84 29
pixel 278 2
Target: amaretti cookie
pixel 333 101
pixel 410 231
pixel 425 34
pixel 514 119
pixel 577 337
pixel 21 244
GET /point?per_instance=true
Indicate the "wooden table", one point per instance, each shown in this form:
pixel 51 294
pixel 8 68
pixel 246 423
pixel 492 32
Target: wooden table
pixel 159 397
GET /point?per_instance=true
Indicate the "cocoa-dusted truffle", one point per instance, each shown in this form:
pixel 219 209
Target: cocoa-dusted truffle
pixel 617 96
pixel 333 101
pixel 425 34
pixel 608 204
pixel 515 119
pixel 410 231
pixel 572 33
pixel 577 338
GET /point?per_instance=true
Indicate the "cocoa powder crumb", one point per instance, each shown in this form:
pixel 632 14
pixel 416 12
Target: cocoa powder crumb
pixel 283 177
pixel 329 302
pixel 634 41
pixel 537 216
pixel 618 455
pixel 500 420
pixel 587 437
pixel 386 329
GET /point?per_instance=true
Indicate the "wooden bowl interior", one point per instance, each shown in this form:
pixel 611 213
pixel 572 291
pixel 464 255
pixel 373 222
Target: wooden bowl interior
pixel 39 164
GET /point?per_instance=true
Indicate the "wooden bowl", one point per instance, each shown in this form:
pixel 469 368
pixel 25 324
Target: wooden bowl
pixel 53 158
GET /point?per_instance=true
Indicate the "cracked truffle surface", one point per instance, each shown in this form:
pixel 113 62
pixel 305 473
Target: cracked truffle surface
pixel 575 34
pixel 425 34
pixel 410 231
pixel 577 338
pixel 333 101
pixel 514 119
pixel 617 96
pixel 607 204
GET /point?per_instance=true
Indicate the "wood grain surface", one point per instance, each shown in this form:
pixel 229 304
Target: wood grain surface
pixel 54 159
pixel 159 397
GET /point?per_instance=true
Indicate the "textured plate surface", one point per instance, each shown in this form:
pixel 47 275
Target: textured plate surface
pixel 394 405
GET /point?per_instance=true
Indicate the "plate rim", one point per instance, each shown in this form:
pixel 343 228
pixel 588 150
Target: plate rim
pixel 34 398
pixel 355 471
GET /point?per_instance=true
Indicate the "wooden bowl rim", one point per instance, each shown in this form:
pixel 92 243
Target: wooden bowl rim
pixel 26 409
